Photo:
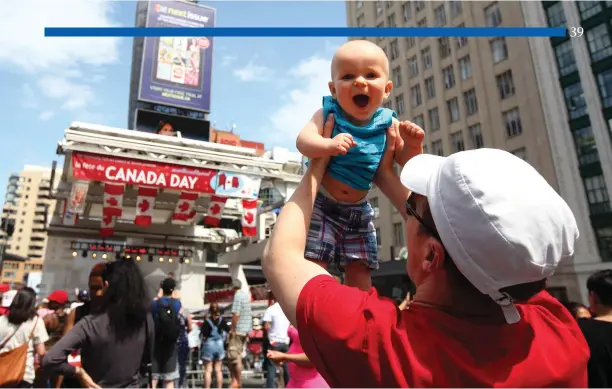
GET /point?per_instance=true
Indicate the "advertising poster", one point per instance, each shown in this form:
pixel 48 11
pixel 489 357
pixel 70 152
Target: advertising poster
pixel 178 71
pixel 234 185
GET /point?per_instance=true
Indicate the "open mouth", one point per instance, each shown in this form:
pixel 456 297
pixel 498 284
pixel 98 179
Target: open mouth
pixel 361 100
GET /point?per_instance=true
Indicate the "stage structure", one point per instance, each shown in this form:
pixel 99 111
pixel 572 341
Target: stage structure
pixel 172 202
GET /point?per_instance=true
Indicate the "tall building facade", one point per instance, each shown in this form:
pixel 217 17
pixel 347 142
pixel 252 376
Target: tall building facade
pixel 542 99
pixel 28 204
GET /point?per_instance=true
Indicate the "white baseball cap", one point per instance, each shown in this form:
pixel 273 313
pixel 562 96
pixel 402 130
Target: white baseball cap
pixel 497 217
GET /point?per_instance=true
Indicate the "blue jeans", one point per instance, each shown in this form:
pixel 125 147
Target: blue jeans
pixel 271 366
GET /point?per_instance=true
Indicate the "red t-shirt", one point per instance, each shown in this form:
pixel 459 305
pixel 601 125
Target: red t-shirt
pixel 358 339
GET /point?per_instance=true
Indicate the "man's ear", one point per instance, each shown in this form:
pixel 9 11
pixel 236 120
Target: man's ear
pixel 435 256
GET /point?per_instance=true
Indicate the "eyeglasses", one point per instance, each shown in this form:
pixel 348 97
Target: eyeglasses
pixel 410 209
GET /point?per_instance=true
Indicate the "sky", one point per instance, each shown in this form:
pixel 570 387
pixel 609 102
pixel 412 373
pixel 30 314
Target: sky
pixel 268 87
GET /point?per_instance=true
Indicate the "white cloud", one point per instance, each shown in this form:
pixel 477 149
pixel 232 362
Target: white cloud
pixel 28 98
pixel 254 72
pixel 227 60
pixel 24 44
pixel 70 94
pixel 308 84
pixel 46 115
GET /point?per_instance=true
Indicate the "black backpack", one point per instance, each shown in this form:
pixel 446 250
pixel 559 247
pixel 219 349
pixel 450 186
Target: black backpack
pixel 167 324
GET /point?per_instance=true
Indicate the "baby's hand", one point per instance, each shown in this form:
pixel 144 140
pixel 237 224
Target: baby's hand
pixel 412 137
pixel 340 144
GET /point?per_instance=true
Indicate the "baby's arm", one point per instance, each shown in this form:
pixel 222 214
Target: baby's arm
pixel 311 143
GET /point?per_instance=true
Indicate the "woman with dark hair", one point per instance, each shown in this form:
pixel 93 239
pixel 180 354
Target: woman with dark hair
pixel 20 327
pixel 165 128
pixel 578 311
pixel 114 342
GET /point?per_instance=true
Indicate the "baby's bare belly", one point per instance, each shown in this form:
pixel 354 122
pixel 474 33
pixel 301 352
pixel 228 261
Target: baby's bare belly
pixel 341 191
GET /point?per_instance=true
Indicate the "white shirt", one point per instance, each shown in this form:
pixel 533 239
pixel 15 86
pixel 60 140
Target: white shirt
pixel 21 336
pixel 279 324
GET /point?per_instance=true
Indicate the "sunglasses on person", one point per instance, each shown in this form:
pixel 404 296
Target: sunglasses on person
pixel 411 210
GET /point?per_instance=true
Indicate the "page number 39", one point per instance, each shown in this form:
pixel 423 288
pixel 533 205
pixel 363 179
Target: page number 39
pixel 576 32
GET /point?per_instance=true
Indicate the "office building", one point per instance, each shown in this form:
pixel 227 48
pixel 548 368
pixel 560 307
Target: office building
pixel 28 205
pixel 548 101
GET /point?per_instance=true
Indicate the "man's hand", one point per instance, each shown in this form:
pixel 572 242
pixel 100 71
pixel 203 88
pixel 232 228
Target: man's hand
pixel 340 144
pixel 411 142
pixel 85 379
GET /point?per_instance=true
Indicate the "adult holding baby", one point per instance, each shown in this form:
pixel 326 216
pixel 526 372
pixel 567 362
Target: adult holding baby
pixel 481 246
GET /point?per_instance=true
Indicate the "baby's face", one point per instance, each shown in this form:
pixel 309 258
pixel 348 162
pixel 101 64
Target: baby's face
pixel 360 81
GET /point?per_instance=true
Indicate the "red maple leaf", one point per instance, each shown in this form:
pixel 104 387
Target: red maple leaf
pixel 248 217
pixel 112 202
pixel 107 219
pixel 183 207
pixel 191 214
pixel 215 209
pixel 144 205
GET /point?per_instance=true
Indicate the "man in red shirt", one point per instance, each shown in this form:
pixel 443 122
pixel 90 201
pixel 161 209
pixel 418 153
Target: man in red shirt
pixel 484 230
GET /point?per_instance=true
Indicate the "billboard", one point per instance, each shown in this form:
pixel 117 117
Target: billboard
pixel 177 71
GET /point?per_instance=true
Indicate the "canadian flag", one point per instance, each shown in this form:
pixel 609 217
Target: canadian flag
pixel 249 217
pixel 144 205
pixel 185 208
pixel 215 211
pixel 113 199
pixel 107 226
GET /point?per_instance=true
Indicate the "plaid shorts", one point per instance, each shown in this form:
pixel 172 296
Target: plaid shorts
pixel 342 233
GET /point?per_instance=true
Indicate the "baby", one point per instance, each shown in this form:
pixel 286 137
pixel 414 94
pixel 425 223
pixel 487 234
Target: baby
pixel 341 229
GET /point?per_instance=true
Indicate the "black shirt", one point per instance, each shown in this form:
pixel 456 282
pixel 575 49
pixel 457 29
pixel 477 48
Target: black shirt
pixel 598 334
pixel 219 322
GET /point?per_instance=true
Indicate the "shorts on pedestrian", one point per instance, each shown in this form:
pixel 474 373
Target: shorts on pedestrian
pixel 213 350
pixel 342 233
pixel 164 364
pixel 235 348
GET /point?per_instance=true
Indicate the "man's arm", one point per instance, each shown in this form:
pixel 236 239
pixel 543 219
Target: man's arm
pixel 283 262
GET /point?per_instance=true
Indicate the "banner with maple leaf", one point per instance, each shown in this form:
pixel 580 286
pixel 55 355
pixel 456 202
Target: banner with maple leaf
pixel 184 212
pixel 215 211
pixel 107 226
pixel 145 202
pixel 113 199
pixel 249 217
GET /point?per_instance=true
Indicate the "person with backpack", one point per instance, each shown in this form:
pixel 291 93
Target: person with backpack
pixel 22 334
pixel 213 330
pixel 166 312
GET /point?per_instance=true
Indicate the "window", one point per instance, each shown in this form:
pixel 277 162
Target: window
pixel 396 76
pixel 574 100
pixel 566 62
pixel 9 274
pixel 465 67
pixel 434 119
pixel 436 148
pixel 462 40
pixel 597 194
pixel 391 20
pixel 394 48
pixel 444 47
pixel 413 67
pixel 375 208
pixel 449 77
pixel 440 15
pixel 399 104
pixel 398 234
pixel 555 15
pixel 505 84
pixel 419 121
pixel 415 92
pixel 588 8
pixel 493 15
pixel 585 145
pixel 388 105
pixel 455 8
pixel 406 11
pixel 422 23
pixel 419 5
pixel 457 142
pixel 604 80
pixel 379 8
pixel 359 4
pixel 452 106
pixel 430 88
pixel 521 153
pixel 426 57
pixel 361 20
pixel 604 240
pixel 512 121
pixel 410 42
pixel 471 103
pixel 475 133
pixel 599 44
pixel 499 50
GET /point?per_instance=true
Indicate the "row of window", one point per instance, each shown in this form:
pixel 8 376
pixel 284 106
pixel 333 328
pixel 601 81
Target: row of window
pixel 575 100
pixel 587 9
